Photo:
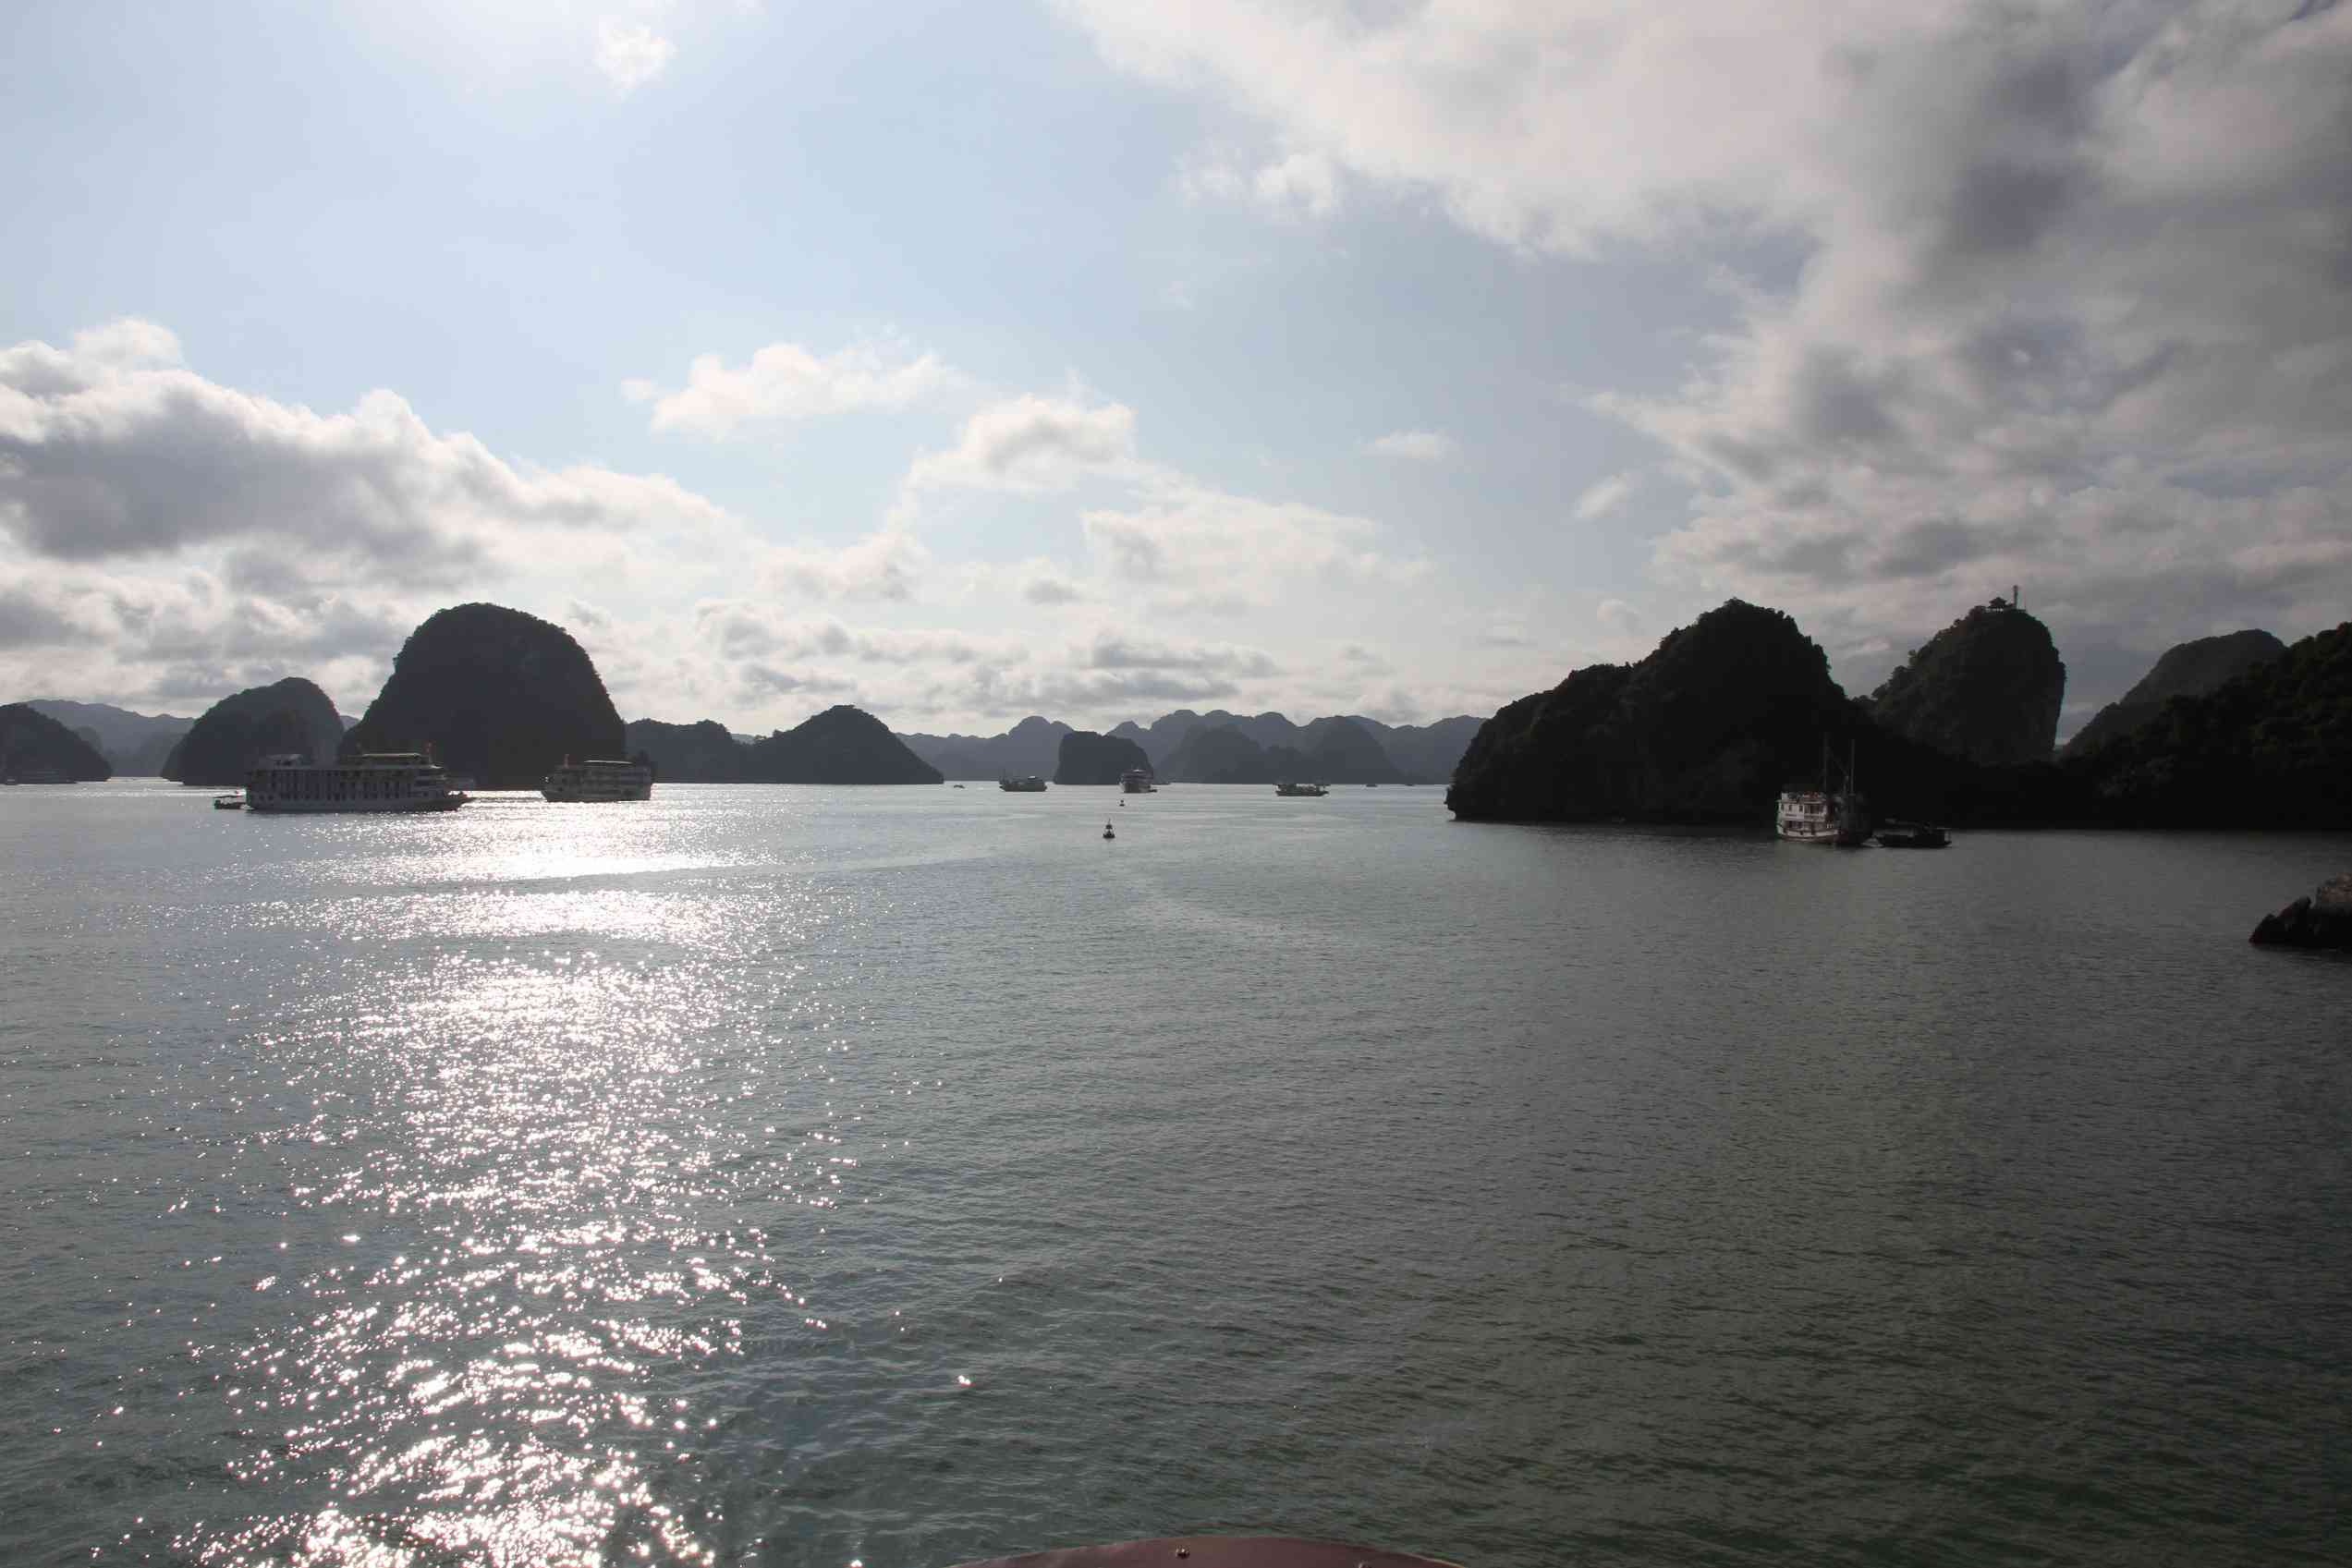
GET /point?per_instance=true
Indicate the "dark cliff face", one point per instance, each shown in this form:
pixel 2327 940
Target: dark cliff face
pixel 1086 758
pixel 31 740
pixel 2270 748
pixel 501 696
pixel 697 753
pixel 291 715
pixel 2188 668
pixel 1987 687
pixel 1218 754
pixel 1344 752
pixel 840 745
pixel 1709 727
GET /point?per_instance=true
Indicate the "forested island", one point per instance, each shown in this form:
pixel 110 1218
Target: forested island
pixel 292 715
pixel 1731 710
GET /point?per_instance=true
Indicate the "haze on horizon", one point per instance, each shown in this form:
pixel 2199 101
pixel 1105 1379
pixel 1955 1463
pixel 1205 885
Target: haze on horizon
pixel 1094 361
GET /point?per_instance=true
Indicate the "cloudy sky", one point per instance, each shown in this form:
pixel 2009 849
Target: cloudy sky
pixel 1095 358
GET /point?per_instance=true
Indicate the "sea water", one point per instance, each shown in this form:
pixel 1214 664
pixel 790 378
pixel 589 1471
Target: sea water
pixel 899 1177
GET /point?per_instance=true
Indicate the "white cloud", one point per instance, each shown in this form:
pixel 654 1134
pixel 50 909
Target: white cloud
pixel 631 54
pixel 2071 307
pixel 785 382
pixel 1030 443
pixel 1604 497
pixel 886 565
pixel 1416 446
pixel 1299 184
pixel 114 449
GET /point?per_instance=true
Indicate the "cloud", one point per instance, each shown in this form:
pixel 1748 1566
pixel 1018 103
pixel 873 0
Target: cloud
pixel 1604 497
pixel 1196 548
pixel 885 565
pixel 631 54
pixel 113 449
pixel 1416 446
pixel 2070 303
pixel 1030 443
pixel 1296 185
pixel 1046 587
pixel 1117 650
pixel 783 382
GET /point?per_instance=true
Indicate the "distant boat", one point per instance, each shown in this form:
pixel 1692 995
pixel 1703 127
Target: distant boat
pixel 1912 835
pixel 1107 833
pixel 1286 787
pixel 1029 784
pixel 1137 781
pixel 232 802
pixel 599 779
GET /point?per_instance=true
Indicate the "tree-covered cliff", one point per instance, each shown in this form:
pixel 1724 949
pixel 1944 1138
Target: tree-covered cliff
pixel 697 753
pixel 291 715
pixel 1987 687
pixel 841 746
pixel 1709 727
pixel 2271 748
pixel 30 741
pixel 2188 668
pixel 1086 758
pixel 501 696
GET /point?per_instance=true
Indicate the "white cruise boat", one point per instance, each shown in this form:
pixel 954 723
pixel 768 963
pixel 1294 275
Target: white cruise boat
pixel 600 779
pixel 1823 815
pixel 1137 781
pixel 373 781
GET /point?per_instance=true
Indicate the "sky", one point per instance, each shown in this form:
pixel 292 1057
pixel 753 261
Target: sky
pixel 1094 359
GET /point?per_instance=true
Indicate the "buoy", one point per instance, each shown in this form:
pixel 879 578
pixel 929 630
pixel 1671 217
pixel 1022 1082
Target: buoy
pixel 1107 833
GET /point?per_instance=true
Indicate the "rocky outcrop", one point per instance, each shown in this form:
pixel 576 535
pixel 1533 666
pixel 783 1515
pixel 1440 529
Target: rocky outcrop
pixel 131 743
pixel 698 753
pixel 1709 727
pixel 1086 758
pixel 1341 751
pixel 502 697
pixel 2325 919
pixel 1219 754
pixel 1032 746
pixel 2188 668
pixel 841 746
pixel 32 744
pixel 220 748
pixel 1987 687
pixel 2272 748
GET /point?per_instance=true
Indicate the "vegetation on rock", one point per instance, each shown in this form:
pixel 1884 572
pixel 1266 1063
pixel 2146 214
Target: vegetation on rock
pixel 502 697
pixel 697 753
pixel 1086 758
pixel 2188 668
pixel 2271 748
pixel 1987 687
pixel 30 741
pixel 841 746
pixel 229 737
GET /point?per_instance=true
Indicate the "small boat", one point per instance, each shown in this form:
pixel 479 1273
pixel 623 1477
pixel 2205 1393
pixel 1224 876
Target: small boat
pixel 232 802
pixel 1823 815
pixel 1286 787
pixel 1029 784
pixel 1136 781
pixel 1107 833
pixel 1912 835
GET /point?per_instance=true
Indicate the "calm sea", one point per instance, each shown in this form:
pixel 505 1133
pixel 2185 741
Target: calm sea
pixel 897 1176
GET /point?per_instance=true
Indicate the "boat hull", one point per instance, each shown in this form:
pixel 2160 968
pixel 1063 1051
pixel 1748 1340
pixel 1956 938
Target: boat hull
pixel 351 807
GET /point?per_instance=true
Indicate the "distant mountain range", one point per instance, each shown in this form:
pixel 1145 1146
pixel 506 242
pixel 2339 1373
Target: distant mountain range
pixel 1342 748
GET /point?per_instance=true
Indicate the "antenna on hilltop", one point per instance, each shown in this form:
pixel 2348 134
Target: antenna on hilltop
pixel 2017 596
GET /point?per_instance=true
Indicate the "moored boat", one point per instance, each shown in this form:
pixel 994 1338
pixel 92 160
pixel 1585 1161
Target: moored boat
pixel 1824 816
pixel 234 801
pixel 1137 781
pixel 1286 787
pixel 373 781
pixel 1912 835
pixel 599 779
pixel 1029 785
